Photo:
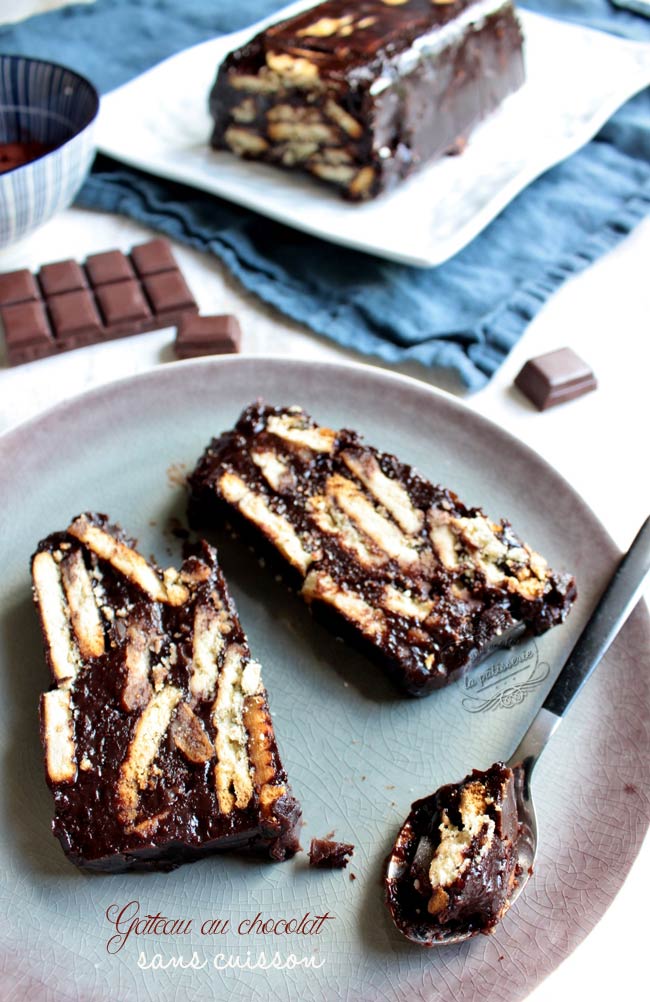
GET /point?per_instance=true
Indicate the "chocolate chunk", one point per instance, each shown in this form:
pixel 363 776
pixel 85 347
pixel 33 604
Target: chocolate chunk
pixel 18 287
pixel 27 332
pixel 212 335
pixel 114 305
pixel 422 583
pixel 123 306
pixel 159 744
pixel 169 295
pixel 62 276
pixel 153 257
pixel 361 95
pixel 16 154
pixel 110 266
pixel 75 319
pixel 554 378
pixel 327 855
pixel 454 865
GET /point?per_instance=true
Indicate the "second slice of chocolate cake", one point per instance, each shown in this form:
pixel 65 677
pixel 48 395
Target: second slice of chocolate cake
pixel 426 585
pixel 159 745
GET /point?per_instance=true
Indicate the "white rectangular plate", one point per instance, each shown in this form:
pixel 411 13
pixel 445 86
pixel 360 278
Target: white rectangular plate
pixel 576 79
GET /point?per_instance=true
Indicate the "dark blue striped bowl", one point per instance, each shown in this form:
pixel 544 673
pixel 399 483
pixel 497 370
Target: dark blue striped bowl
pixel 45 103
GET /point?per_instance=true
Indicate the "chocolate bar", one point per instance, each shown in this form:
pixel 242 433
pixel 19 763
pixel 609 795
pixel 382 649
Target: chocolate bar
pixel 454 864
pixel 361 94
pixel 554 378
pixel 211 335
pixel 112 295
pixel 423 583
pixel 159 745
pixel 324 854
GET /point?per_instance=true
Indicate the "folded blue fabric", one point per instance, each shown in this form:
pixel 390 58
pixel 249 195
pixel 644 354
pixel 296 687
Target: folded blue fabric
pixel 464 315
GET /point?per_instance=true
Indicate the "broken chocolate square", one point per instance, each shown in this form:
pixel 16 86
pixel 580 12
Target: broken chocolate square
pixel 424 584
pixel 554 378
pixel 159 746
pixel 212 335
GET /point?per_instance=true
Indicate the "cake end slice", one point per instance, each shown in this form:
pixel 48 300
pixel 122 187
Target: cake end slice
pixel 158 741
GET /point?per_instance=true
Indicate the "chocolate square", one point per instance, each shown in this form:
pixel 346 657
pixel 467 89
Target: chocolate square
pixel 74 318
pixel 124 308
pixel 27 332
pixel 18 287
pixel 169 295
pixel 110 266
pixel 153 257
pixel 212 335
pixel 62 276
pixel 554 378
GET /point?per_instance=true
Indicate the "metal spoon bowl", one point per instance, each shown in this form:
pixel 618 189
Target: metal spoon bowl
pixel 611 612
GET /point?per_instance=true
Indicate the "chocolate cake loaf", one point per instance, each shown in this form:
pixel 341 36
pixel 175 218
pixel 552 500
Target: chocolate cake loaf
pixel 454 865
pixel 159 745
pixel 360 94
pixel 424 584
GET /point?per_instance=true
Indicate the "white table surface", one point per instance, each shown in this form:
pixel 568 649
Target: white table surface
pixel 599 443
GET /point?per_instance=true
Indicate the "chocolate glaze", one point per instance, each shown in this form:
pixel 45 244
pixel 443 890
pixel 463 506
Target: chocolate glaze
pixel 86 820
pixel 478 898
pixel 471 614
pixel 415 86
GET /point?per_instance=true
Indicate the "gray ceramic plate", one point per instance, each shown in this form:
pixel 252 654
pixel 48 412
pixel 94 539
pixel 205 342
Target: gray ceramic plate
pixel 357 754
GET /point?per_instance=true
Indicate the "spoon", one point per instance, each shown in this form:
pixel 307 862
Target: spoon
pixel 611 612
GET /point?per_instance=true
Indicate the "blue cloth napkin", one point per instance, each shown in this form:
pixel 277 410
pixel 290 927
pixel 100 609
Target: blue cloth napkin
pixel 464 315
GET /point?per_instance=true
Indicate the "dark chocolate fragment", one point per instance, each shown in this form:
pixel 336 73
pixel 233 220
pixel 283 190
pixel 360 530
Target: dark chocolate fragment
pixel 424 584
pixel 153 257
pixel 212 335
pixel 62 276
pixel 123 306
pixel 325 854
pixel 554 378
pixel 75 319
pixel 27 332
pixel 18 287
pixel 361 95
pixel 107 267
pixel 454 864
pixel 159 745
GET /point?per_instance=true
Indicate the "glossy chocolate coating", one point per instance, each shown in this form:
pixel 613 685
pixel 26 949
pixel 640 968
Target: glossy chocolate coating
pixel 465 614
pixel 179 817
pixel 361 94
pixel 478 897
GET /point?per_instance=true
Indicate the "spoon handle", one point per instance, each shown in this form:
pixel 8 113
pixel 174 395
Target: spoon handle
pixel 614 606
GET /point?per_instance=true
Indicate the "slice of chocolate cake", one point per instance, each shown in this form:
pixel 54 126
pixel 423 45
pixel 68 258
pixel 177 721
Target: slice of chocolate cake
pixel 424 584
pixel 159 745
pixel 454 864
